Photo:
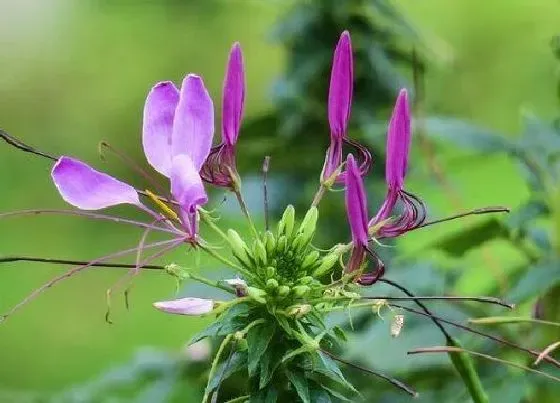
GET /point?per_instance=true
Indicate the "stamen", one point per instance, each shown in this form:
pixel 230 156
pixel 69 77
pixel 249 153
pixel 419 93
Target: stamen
pixel 164 207
pixel 265 167
pixel 17 143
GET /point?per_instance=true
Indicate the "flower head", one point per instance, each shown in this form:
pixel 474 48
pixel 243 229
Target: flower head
pixel 220 167
pixel 339 108
pixel 177 135
pixel 398 147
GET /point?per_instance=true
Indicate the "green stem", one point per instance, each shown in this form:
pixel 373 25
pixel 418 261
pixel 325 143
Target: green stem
pixel 245 211
pixel 209 282
pixel 226 261
pixel 319 195
pixel 214 366
pixel 208 221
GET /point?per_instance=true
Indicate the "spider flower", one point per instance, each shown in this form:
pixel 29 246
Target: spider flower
pixel 177 136
pixel 220 166
pixel 413 212
pixel 339 108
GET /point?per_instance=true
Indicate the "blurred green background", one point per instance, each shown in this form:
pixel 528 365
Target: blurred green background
pixel 74 73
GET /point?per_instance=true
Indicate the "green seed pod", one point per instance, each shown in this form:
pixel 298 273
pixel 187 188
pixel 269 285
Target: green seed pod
pixel 239 247
pixel 327 264
pixel 308 225
pixel 310 259
pixel 257 294
pixel 300 290
pixel 260 252
pixel 269 242
pixel 283 290
pixel 271 284
pixel 270 271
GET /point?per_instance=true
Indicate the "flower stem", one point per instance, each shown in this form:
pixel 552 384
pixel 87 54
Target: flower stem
pixel 319 195
pixel 226 261
pixel 245 211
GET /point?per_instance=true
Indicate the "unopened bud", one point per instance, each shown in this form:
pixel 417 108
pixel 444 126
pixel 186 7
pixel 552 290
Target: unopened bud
pixel 305 280
pixel 327 264
pixel 310 259
pixel 270 271
pixel 283 290
pixel 299 310
pixel 300 290
pixel 286 224
pixel 257 294
pixel 238 247
pixel 282 244
pixel 260 252
pixel 309 223
pixel 269 243
pixel 271 284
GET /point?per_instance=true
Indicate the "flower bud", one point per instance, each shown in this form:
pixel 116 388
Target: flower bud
pixel 300 290
pixel 257 294
pixel 271 284
pixel 260 252
pixel 286 224
pixel 238 247
pixel 308 225
pixel 269 243
pixel 186 306
pixel 270 271
pixel 310 260
pixel 327 264
pixel 283 290
pixel 306 280
pixel 299 310
pixel 282 244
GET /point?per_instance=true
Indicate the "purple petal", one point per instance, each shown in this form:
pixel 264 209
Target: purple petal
pixel 233 96
pixel 356 203
pixel 193 126
pixel 187 189
pixel 186 306
pixel 88 189
pixel 340 90
pixel 398 143
pixel 159 111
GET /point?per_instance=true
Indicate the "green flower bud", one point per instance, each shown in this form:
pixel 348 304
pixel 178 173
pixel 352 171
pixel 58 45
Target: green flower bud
pixel 310 259
pixel 299 310
pixel 306 280
pixel 327 264
pixel 260 252
pixel 271 284
pixel 270 271
pixel 257 294
pixel 283 290
pixel 308 225
pixel 286 224
pixel 282 244
pixel 269 243
pixel 300 290
pixel 239 247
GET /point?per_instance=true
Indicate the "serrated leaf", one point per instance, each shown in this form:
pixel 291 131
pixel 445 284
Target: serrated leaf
pixel 258 339
pixel 325 365
pixel 461 242
pixel 236 362
pixel 300 384
pixel 268 365
pixel 319 395
pixel 465 134
pixel 232 320
pixel 536 281
pixel 464 364
pixel 339 333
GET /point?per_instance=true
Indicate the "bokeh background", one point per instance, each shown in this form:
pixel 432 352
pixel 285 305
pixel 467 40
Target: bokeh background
pixel 74 73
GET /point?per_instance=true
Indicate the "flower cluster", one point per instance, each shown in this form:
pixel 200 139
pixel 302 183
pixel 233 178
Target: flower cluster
pixel 274 324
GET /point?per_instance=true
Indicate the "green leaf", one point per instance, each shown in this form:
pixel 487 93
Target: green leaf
pixel 467 135
pixel 258 339
pixel 339 333
pixel 523 215
pixel 232 320
pixel 536 281
pixel 464 364
pixel 268 365
pixel 458 244
pixel 319 395
pixel 236 362
pixel 300 384
pixel 325 365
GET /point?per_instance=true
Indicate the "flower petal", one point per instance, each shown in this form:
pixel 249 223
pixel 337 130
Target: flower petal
pixel 186 306
pixel 187 189
pixel 398 143
pixel 159 111
pixel 233 96
pixel 356 203
pixel 193 125
pixel 340 89
pixel 88 189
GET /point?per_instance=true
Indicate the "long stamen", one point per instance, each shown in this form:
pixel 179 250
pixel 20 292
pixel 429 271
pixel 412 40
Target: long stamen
pixel 15 142
pixel 10 259
pixel 76 270
pixel 487 300
pixel 497 339
pixel 265 167
pixel 395 382
pixel 95 216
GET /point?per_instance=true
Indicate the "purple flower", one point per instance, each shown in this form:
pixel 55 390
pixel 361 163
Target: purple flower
pixel 398 147
pixel 186 306
pixel 339 108
pixel 220 167
pixel 177 135
pixel 356 209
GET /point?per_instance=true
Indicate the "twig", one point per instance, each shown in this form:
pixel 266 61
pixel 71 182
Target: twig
pixel 265 167
pixel 546 352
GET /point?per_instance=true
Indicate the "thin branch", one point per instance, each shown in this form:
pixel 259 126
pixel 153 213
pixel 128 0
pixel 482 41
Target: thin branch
pixel 8 259
pixel 391 380
pixel 265 167
pixel 443 349
pixel 497 339
pixel 546 352
pixel 15 142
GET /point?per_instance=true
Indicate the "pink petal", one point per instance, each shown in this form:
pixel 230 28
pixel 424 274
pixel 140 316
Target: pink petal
pixel 159 112
pixel 233 96
pixel 186 306
pixel 193 125
pixel 356 203
pixel 187 189
pixel 340 89
pixel 88 189
pixel 398 143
